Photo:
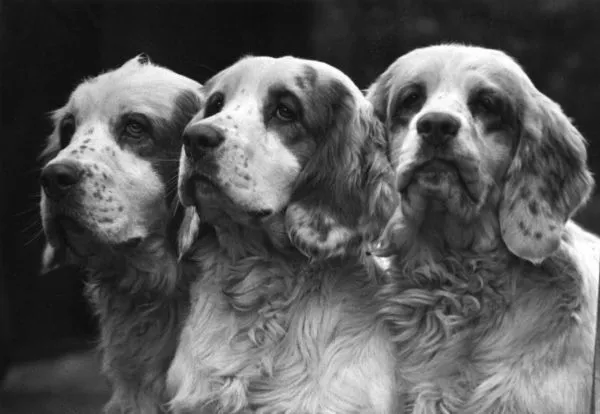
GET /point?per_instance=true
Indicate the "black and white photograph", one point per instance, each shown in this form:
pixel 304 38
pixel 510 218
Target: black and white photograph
pixel 299 207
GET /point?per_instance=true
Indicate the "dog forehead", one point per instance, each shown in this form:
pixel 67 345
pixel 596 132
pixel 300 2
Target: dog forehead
pixel 454 62
pixel 132 88
pixel 261 72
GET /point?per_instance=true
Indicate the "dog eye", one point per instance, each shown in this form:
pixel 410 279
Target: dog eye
pixel 285 113
pixel 411 100
pixel 214 105
pixel 134 129
pixel 489 105
pixel 66 130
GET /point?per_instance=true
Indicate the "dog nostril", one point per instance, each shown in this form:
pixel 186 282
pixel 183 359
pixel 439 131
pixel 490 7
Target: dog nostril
pixel 57 179
pixel 436 128
pixel 424 127
pixel 199 139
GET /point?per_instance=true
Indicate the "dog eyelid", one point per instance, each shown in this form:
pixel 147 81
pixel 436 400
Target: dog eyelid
pixel 136 127
pixel 285 112
pixel 66 130
pixel 214 104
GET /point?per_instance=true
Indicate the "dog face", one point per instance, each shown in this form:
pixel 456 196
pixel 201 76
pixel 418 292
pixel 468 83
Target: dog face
pixel 468 130
pixel 288 135
pixel 113 151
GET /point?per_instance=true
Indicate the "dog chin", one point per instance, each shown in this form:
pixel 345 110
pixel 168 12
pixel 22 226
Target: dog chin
pixel 214 204
pixel 84 240
pixel 440 179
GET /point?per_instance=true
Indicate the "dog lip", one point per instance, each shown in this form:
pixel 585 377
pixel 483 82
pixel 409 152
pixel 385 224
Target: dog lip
pixel 260 214
pixel 437 164
pixel 131 243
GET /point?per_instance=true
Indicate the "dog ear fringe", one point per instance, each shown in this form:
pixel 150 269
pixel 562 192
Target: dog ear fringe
pixel 336 211
pixel 546 183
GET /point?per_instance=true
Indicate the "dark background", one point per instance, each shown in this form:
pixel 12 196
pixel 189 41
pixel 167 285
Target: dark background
pixel 48 47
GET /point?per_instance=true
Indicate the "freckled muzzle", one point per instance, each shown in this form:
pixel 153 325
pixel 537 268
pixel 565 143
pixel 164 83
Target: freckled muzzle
pixel 94 191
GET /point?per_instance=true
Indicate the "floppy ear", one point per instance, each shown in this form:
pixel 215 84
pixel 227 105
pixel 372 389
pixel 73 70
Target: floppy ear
pixel 546 183
pixel 344 194
pixel 378 94
pixel 52 258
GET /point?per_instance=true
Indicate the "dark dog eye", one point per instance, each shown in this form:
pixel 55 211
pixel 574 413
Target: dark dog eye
pixel 411 100
pixel 134 129
pixel 214 104
pixel 486 103
pixel 489 105
pixel 285 113
pixel 66 130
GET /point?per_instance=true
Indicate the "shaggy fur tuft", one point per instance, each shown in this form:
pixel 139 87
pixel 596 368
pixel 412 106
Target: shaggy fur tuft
pixel 109 179
pixel 283 316
pixel 492 309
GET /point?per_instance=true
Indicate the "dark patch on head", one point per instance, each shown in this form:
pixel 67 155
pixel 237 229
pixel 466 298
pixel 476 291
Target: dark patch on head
pixel 552 227
pixel 97 195
pixel 104 176
pixel 328 105
pixel 310 76
pixel 538 235
pixel 73 152
pixel 300 82
pixel 120 209
pixel 109 199
pixel 534 208
pixel 89 173
pixel 275 94
pixel 95 166
pixel 87 140
pixel 105 220
pixel 88 132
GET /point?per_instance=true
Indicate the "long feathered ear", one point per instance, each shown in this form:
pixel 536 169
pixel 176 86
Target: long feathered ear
pixel 344 195
pixel 52 258
pixel 378 94
pixel 546 183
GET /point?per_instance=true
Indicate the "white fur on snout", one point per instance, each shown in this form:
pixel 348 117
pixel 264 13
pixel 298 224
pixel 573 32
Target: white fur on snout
pixel 117 194
pixel 255 168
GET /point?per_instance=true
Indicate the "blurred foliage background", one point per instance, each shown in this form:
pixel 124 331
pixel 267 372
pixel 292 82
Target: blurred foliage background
pixel 48 47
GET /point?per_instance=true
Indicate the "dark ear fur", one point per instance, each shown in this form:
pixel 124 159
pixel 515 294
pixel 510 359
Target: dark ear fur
pixel 546 183
pixel 344 195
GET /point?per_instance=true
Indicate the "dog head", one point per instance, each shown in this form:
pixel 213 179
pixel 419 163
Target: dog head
pixel 470 134
pixel 112 158
pixel 294 137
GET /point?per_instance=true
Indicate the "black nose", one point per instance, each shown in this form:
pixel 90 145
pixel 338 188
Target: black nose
pixel 437 128
pixel 57 179
pixel 199 139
